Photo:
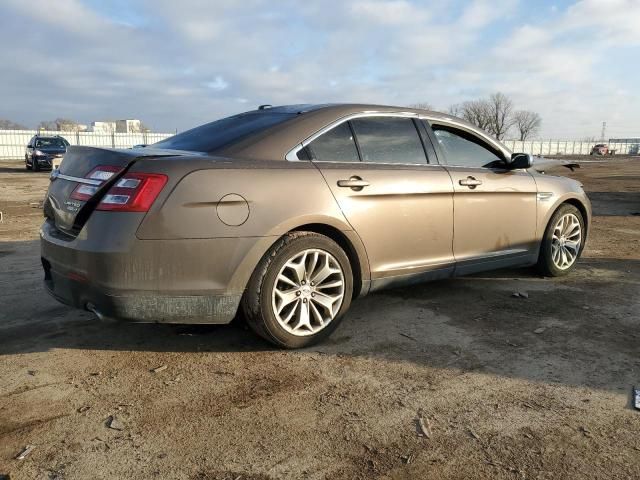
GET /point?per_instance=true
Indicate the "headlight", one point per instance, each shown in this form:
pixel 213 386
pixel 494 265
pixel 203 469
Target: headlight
pixel 38 153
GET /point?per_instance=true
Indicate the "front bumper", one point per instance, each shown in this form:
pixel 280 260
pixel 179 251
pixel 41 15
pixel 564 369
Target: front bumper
pixel 43 161
pixel 116 275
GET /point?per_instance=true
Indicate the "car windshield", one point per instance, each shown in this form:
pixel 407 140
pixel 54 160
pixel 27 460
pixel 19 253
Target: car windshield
pixel 223 132
pixel 51 142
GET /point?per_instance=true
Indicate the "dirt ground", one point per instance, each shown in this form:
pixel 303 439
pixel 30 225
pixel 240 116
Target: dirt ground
pixel 509 387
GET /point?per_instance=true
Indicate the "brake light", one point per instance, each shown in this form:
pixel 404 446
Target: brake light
pixel 134 192
pixel 103 173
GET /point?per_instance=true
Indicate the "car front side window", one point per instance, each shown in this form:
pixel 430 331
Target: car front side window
pixel 464 150
pixel 389 140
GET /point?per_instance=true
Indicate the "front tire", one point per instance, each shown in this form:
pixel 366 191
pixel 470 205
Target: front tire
pixel 563 242
pixel 299 291
pixel 35 166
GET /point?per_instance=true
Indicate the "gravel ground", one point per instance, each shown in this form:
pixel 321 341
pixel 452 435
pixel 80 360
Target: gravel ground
pixel 507 387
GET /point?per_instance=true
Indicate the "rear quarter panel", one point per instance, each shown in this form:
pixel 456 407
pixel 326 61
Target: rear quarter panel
pixel 260 200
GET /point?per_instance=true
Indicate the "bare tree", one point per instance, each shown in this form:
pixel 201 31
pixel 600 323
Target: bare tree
pixel 496 116
pixel 60 124
pixel 455 110
pixel 9 125
pixel 527 123
pixel 422 106
pixel 47 125
pixel 477 112
pixel 500 115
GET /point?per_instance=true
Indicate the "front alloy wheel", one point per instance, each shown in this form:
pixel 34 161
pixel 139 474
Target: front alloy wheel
pixel 563 241
pixel 566 241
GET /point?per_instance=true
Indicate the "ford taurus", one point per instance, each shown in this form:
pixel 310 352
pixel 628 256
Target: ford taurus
pixel 287 214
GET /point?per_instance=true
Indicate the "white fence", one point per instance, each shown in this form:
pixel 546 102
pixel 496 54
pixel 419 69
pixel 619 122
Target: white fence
pixel 562 147
pixel 14 142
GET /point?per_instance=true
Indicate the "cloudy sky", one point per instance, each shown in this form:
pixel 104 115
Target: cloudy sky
pixel 179 63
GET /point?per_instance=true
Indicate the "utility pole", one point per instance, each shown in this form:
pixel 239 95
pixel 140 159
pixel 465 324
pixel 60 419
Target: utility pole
pixel 604 131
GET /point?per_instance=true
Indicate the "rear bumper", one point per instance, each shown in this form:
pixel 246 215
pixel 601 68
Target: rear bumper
pixel 147 308
pixel 115 274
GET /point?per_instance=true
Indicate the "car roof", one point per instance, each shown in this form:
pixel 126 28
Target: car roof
pixel 277 141
pixel 343 109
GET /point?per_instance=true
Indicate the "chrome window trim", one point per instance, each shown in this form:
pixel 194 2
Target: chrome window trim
pixel 292 154
pixel 450 121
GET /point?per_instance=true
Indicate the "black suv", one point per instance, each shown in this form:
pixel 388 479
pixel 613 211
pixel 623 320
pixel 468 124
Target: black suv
pixel 41 151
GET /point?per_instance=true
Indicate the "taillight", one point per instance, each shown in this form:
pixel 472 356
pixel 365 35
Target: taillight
pixel 101 174
pixel 134 192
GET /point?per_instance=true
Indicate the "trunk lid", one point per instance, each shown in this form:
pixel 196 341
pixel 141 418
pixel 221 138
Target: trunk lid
pixel 69 214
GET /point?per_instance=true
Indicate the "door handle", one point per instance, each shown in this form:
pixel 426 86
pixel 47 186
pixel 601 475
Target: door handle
pixel 355 183
pixel 470 182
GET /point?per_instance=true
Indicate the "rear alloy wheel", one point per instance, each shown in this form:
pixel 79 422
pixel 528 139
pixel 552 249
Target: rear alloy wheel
pixel 563 241
pixel 299 291
pixel 308 292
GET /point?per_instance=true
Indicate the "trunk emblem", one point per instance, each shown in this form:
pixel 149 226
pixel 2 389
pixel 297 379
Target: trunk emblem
pixel 72 206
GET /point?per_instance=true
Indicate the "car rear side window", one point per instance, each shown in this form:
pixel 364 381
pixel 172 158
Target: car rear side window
pixel 337 145
pixel 389 140
pixel 215 135
pixel 462 150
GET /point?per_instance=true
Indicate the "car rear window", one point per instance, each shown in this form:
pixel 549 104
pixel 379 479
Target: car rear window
pixel 336 145
pixel 215 135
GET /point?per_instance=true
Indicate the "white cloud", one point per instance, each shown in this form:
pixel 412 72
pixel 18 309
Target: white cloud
pixel 194 60
pixel 218 84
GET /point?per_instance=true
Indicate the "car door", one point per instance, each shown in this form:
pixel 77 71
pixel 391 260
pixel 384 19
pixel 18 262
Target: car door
pixel 400 205
pixel 495 207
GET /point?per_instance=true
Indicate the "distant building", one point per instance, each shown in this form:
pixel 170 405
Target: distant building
pixel 117 126
pixel 128 126
pixel 103 127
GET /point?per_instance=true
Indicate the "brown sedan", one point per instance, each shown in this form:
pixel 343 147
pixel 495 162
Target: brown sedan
pixel 289 213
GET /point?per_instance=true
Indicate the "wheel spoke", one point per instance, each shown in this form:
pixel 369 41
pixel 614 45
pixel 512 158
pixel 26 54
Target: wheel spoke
pixel 572 245
pixel 337 283
pixel 316 314
pixel 298 266
pixel 325 301
pixel 568 255
pixel 283 278
pixel 285 298
pixel 292 313
pixel 303 317
pixel 312 266
pixel 323 273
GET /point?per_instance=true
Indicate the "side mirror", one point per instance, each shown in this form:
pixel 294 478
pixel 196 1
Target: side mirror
pixel 521 160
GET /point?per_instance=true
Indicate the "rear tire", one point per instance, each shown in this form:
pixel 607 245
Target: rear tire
pixel 299 291
pixel 562 243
